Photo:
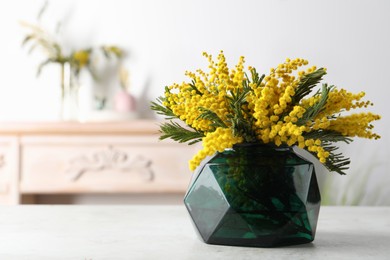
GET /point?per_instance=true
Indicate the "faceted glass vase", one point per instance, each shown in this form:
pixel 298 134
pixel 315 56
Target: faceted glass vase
pixel 255 195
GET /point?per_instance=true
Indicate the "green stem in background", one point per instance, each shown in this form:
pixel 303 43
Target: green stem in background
pixel 62 82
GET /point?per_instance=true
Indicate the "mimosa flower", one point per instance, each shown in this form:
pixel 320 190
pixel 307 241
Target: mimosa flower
pixel 229 106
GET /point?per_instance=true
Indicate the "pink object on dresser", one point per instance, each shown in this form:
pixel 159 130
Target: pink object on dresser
pixel 124 102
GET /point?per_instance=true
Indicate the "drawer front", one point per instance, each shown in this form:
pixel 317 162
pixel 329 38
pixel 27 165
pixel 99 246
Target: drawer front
pixel 8 171
pixel 4 168
pixel 113 165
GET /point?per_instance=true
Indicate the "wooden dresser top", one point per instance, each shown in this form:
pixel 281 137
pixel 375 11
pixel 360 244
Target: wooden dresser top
pixel 47 128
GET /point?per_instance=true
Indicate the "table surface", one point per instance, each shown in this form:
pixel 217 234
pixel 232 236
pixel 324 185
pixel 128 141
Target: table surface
pixel 165 232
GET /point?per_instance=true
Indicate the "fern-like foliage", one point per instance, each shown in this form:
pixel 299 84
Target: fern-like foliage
pixel 175 131
pixel 193 87
pixel 207 114
pixel 256 79
pixel 240 117
pixel 314 110
pixel 307 83
pixel 161 109
pixel 328 136
pixel 336 161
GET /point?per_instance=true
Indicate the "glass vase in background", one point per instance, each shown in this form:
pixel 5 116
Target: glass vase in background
pixel 255 195
pixel 69 110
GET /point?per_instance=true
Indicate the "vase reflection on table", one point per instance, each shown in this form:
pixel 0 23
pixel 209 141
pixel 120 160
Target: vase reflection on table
pixel 255 195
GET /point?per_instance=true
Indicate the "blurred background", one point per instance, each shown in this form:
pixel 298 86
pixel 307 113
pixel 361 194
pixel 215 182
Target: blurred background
pixel 159 40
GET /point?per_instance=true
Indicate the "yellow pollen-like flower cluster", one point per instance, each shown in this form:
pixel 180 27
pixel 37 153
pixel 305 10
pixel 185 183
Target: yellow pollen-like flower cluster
pixel 207 92
pixel 213 142
pixel 226 107
pixel 339 100
pixel 355 125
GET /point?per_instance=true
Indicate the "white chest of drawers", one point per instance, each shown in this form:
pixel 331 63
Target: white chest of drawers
pixel 89 158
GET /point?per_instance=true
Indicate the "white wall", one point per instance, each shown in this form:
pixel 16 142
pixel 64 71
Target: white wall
pixel 165 38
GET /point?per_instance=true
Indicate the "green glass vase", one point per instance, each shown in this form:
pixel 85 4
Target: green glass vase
pixel 255 195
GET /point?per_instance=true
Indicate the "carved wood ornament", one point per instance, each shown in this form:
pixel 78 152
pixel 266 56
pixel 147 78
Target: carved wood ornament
pixel 110 158
pixel 1 160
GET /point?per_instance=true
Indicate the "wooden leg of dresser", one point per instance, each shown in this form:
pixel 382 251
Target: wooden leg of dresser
pixel 9 194
pixel 14 196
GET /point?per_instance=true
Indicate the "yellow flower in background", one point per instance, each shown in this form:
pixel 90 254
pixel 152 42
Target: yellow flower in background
pixel 124 78
pixel 81 58
pixel 109 50
pixel 226 106
pixel 39 38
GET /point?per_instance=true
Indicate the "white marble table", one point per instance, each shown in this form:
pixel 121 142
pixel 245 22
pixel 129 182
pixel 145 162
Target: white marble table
pixel 165 232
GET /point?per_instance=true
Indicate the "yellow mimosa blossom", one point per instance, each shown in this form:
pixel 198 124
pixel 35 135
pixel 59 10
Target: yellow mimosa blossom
pixel 213 142
pixel 226 106
pixel 355 125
